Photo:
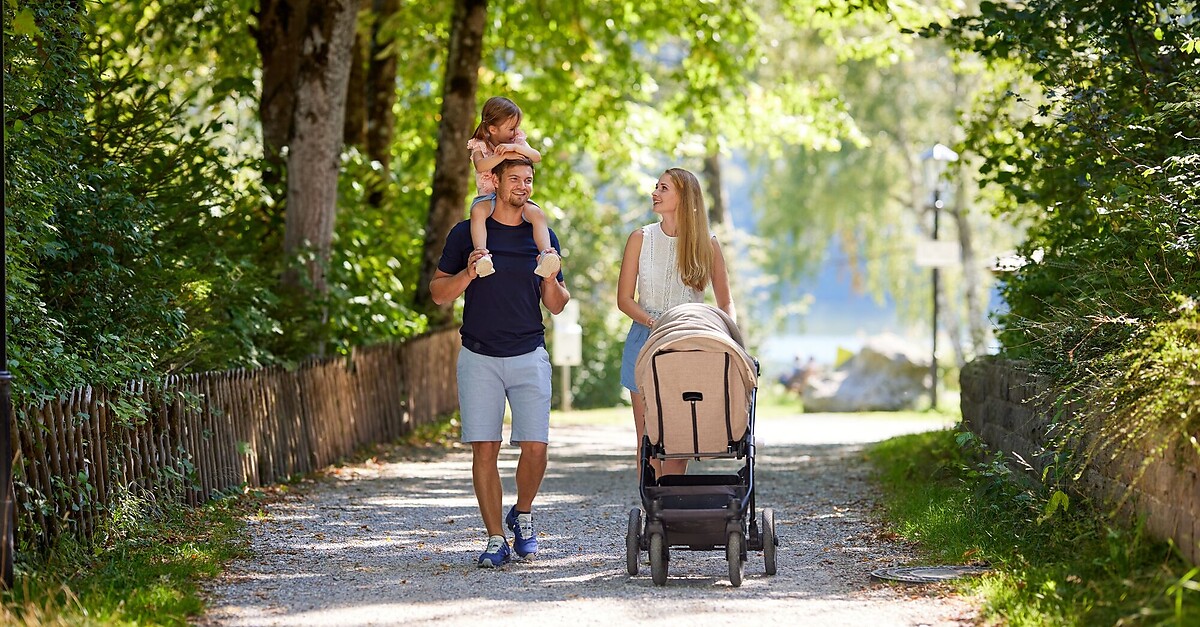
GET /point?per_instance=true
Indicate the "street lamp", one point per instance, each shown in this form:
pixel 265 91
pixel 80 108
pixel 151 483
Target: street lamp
pixel 934 161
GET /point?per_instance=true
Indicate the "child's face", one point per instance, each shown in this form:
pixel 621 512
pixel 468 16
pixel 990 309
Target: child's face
pixel 505 132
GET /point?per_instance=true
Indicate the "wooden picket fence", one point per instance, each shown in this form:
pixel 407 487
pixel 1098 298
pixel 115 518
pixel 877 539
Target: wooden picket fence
pixel 191 437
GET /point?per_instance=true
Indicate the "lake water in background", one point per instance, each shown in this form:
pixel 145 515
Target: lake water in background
pixel 777 355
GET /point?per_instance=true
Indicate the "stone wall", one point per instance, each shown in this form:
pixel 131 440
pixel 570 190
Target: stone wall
pixel 1005 405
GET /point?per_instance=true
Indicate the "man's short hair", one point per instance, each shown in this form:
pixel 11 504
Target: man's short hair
pixel 508 163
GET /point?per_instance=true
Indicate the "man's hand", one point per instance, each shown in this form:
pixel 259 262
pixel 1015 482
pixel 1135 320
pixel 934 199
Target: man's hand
pixel 475 255
pixel 444 288
pixel 554 294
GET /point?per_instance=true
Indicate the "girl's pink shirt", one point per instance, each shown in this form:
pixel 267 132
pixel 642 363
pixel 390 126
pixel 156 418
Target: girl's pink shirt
pixel 485 182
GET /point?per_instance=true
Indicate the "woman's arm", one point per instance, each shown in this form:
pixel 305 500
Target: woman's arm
pixel 627 281
pixel 720 282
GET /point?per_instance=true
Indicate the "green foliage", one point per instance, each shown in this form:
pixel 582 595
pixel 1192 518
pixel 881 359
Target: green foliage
pixel 1101 171
pixel 144 567
pixel 377 252
pixel 1052 565
pixel 1099 159
pixel 174 263
pixel 1144 398
pixel 114 190
pixel 43 103
pixel 856 197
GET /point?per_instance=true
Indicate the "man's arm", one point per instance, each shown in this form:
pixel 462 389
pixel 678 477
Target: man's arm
pixel 444 288
pixel 554 294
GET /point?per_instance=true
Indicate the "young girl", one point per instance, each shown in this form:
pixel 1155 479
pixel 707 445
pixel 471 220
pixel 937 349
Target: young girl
pixel 499 137
pixel 668 263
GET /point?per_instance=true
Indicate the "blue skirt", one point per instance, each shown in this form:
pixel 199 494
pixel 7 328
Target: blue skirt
pixel 638 334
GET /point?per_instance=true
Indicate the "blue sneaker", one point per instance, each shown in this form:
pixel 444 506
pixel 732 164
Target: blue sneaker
pixel 524 537
pixel 496 554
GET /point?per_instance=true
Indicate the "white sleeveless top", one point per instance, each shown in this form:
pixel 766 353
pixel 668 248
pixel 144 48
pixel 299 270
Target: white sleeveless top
pixel 659 285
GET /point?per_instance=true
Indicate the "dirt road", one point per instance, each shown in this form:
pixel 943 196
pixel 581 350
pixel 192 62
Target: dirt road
pixel 395 544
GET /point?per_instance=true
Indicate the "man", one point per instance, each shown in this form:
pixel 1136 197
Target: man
pixel 503 356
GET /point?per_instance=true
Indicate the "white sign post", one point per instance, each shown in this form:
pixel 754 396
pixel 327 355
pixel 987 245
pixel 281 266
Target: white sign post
pixel 568 347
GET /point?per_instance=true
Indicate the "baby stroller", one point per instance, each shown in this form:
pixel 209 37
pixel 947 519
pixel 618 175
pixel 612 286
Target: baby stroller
pixel 700 387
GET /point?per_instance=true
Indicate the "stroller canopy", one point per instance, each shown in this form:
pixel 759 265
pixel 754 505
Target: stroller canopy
pixel 698 380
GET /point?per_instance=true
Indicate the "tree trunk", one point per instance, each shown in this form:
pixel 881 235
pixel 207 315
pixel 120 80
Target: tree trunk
pixel 381 86
pixel 712 175
pixel 278 31
pixel 381 94
pixel 370 120
pixel 452 168
pixel 354 131
pixel 314 149
pixel 972 271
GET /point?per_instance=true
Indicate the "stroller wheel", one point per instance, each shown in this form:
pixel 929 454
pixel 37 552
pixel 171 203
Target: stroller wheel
pixel 769 540
pixel 633 541
pixel 733 554
pixel 658 559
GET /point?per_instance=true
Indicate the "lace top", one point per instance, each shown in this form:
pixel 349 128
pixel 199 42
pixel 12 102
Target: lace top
pixel 659 285
pixel 485 181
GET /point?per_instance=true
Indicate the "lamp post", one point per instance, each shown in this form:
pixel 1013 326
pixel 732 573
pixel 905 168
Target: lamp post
pixel 935 160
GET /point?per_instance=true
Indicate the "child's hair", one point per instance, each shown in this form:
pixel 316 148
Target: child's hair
pixel 695 255
pixel 495 112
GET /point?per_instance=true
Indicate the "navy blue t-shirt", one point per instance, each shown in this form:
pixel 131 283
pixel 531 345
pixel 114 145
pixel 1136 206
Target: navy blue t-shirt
pixel 502 315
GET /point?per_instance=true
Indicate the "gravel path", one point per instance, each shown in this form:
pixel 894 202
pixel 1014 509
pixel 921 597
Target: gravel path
pixel 395 544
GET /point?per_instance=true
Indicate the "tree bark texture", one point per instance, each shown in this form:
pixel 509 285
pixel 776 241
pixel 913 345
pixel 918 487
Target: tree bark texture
pixel 381 84
pixel 314 148
pixel 452 167
pixel 370 118
pixel 354 131
pixel 277 33
pixel 972 270
pixel 716 190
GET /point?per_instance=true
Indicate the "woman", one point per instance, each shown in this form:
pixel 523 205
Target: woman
pixel 668 263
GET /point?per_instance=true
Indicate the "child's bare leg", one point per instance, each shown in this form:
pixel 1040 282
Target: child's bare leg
pixel 549 261
pixel 479 215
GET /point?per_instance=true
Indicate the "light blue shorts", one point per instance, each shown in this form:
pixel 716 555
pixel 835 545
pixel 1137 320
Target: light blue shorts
pixel 638 334
pixel 484 383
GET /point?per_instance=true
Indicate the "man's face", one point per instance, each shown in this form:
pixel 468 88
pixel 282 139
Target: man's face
pixel 515 185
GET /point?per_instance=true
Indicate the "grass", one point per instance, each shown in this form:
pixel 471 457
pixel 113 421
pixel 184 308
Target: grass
pixel 145 568
pixel 1074 566
pixel 148 565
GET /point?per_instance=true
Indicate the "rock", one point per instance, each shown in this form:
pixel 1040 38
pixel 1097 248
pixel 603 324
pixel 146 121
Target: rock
pixel 888 374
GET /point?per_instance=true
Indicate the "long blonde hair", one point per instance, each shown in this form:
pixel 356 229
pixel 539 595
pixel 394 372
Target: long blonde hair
pixel 694 254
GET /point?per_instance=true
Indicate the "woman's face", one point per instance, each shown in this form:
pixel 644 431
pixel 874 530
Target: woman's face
pixel 665 195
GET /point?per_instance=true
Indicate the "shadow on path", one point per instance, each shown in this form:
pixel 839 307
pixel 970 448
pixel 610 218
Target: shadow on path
pixel 396 543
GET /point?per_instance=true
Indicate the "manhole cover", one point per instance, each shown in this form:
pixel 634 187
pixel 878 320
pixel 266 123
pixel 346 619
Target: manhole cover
pixel 927 574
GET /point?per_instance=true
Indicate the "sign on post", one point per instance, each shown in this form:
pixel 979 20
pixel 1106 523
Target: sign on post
pixel 933 253
pixel 568 337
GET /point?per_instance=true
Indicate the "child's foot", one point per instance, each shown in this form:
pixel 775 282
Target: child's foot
pixel 483 266
pixel 548 263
